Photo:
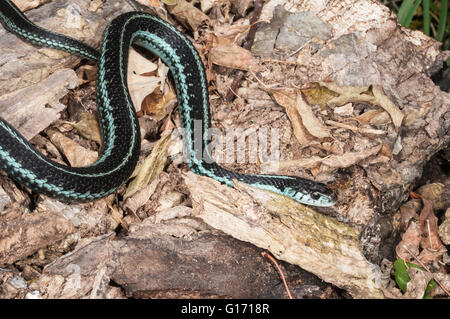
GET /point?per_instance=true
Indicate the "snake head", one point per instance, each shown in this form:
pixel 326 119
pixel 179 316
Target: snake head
pixel 311 193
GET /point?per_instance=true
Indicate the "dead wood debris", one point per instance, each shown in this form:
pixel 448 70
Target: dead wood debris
pixel 355 107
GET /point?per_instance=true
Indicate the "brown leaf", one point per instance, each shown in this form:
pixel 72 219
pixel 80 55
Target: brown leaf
pixel 430 242
pixel 283 97
pixel 309 119
pixel 383 101
pixel 77 155
pixel 139 84
pixel 409 243
pixel 438 193
pixel 151 167
pixel 88 127
pixel 350 158
pixel 233 56
pixel 158 105
pixel 188 15
pixel 418 283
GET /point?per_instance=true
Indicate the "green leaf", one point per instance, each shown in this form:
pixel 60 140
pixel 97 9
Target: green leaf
pixel 442 21
pixel 407 10
pixel 402 278
pixel 401 275
pixel 430 287
pixel 426 16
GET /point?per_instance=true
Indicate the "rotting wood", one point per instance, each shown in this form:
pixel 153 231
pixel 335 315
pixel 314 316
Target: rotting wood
pixel 290 231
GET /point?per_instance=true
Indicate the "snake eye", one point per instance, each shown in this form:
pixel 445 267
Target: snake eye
pixel 315 195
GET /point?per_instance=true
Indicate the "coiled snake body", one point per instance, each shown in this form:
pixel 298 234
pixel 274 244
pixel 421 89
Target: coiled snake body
pixel 117 117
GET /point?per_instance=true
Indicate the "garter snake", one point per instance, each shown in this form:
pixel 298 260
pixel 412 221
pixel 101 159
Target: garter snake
pixel 118 120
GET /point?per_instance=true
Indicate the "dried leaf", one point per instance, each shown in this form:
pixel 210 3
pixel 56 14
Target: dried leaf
pixel 188 15
pixel 88 127
pixel 430 242
pixel 158 105
pixel 438 193
pixel 347 94
pixel 345 110
pixel 361 94
pixel 366 117
pixel 444 228
pixel 140 86
pixel 383 101
pixel 355 128
pixel 206 5
pixel 350 158
pixel 380 119
pixel 318 95
pixel 418 284
pixel 233 56
pixel 151 167
pixel 86 73
pixel 77 155
pixel 310 121
pixel 408 211
pixel 228 31
pixel 283 97
pixel 140 197
pixel 309 162
pixel 409 243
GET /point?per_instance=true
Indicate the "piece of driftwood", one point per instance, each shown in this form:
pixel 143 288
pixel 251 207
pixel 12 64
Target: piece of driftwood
pixel 365 46
pixel 289 230
pixel 172 259
pixel 23 234
pixel 32 109
pixel 33 79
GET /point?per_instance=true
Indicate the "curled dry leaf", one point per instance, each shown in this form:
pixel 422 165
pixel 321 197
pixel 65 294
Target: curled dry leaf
pixel 367 117
pixel 25 5
pixel 305 124
pixel 347 94
pixel 409 243
pixel 438 193
pixel 140 197
pixel 88 127
pixel 408 211
pixel 228 54
pixel 318 94
pixel 76 154
pixel 229 31
pixel 383 101
pixel 140 86
pixel 151 167
pixel 188 15
pixel 350 158
pixel 430 242
pixel 206 5
pixel 310 121
pixel 154 3
pixel 332 161
pixel 86 73
pixel 158 105
pixel 355 128
pixel 362 94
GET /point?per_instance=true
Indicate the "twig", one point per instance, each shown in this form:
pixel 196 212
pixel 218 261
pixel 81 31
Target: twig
pixel 247 45
pixel 279 270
